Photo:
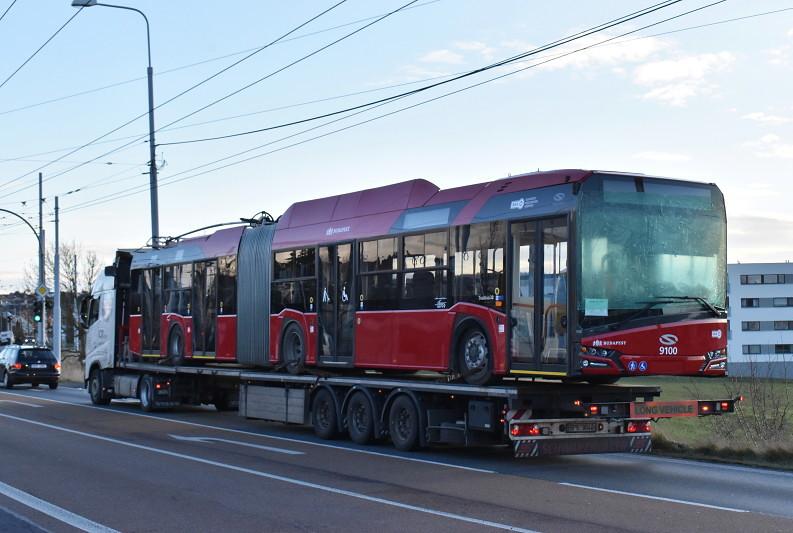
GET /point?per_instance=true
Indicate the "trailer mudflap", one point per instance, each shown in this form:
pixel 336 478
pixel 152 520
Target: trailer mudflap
pixel 573 446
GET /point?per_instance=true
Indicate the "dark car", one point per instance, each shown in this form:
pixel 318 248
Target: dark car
pixel 28 364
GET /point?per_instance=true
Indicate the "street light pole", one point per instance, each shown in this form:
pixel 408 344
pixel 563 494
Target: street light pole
pixel 155 221
pixel 41 330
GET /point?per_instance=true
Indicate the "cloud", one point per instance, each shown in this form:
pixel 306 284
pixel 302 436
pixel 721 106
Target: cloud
pixel 779 56
pixel 674 81
pixel 661 156
pixel 759 239
pixel 771 145
pixel 759 116
pixel 479 47
pixel 442 56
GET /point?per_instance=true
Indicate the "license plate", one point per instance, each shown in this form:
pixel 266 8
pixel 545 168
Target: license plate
pixel 38 366
pixel 581 427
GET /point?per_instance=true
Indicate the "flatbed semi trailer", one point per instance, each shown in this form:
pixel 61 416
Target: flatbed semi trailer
pixel 534 417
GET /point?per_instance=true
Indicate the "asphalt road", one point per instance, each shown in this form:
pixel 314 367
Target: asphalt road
pixel 66 465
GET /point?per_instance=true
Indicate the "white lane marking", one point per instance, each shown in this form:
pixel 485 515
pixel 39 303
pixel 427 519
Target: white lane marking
pixel 21 403
pixel 275 477
pixel 673 500
pixel 267 436
pixel 58 513
pixel 238 443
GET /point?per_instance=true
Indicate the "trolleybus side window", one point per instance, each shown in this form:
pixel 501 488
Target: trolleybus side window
pixel 479 264
pixel 178 284
pixel 425 262
pixel 295 283
pixel 227 289
pixel 379 260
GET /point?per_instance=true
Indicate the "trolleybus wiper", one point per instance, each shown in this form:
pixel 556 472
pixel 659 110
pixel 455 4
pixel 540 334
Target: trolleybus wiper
pixel 718 312
pixel 647 306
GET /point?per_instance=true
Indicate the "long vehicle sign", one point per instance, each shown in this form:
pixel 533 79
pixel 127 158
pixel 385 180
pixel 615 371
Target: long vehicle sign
pixel 664 409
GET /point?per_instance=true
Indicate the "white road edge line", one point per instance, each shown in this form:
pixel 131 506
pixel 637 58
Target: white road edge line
pixel 265 435
pixel 58 513
pixel 661 498
pixel 21 403
pixel 275 477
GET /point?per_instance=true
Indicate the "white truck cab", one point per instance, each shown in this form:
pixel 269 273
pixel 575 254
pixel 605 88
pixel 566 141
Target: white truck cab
pixel 100 314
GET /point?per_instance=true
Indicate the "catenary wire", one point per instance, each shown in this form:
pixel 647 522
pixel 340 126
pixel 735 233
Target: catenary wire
pixel 40 48
pixel 205 80
pixel 198 63
pixel 170 180
pixel 8 9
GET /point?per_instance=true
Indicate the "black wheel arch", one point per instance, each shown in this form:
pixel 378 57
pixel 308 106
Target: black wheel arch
pixel 463 323
pixel 288 322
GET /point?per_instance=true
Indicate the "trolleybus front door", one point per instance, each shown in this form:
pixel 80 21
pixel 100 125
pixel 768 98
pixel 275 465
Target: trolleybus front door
pixel 336 306
pixel 538 308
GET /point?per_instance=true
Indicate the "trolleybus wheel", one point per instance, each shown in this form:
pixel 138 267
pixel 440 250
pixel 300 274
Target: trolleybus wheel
pixel 474 357
pixel 293 349
pixel 360 419
pixel 176 345
pixel 403 424
pixel 98 396
pixel 324 416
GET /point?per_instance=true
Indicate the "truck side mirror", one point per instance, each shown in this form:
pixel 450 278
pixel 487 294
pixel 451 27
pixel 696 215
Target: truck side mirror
pixel 110 271
pixel 84 312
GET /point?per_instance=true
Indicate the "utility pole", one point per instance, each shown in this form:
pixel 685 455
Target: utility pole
pixel 76 310
pixel 56 306
pixel 41 332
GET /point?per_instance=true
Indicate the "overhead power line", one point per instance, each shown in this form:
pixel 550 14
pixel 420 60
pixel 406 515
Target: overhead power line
pixel 205 80
pixel 8 9
pixel 170 180
pixel 40 48
pixel 198 63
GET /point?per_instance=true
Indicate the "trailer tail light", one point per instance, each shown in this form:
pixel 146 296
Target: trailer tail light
pixel 643 426
pixel 725 406
pixel 705 408
pixel 525 430
pixel 594 409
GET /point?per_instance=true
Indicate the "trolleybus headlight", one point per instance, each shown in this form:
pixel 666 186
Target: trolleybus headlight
pixel 717 353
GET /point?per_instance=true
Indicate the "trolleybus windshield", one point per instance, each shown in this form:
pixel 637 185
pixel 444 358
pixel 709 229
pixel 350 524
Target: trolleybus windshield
pixel 640 238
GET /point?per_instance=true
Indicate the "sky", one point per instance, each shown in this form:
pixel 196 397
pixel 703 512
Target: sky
pixel 709 103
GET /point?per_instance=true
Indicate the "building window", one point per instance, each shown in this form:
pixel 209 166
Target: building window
pixel 783 348
pixel 750 302
pixel 750 326
pixel 783 324
pixel 751 349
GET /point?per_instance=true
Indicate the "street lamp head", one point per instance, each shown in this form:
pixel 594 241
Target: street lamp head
pixel 83 3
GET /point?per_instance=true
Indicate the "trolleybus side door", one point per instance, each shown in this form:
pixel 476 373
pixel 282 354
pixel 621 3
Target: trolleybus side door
pixel 336 306
pixel 539 341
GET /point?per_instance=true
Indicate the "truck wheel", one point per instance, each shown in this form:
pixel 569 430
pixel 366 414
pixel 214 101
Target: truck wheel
pixel 7 382
pixel 225 402
pixel 293 349
pixel 324 417
pixel 146 394
pixel 474 357
pixel 98 395
pixel 176 346
pixel 360 419
pixel 403 424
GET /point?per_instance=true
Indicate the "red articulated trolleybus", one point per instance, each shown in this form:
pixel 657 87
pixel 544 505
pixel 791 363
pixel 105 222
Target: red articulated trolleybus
pixel 570 275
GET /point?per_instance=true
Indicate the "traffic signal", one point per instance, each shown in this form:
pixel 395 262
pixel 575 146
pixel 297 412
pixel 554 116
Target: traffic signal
pixel 37 310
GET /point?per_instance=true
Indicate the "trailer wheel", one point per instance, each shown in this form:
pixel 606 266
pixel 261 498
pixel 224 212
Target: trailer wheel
pixel 176 345
pixel 360 419
pixel 324 416
pixel 474 357
pixel 146 394
pixel 404 424
pixel 293 349
pixel 95 389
